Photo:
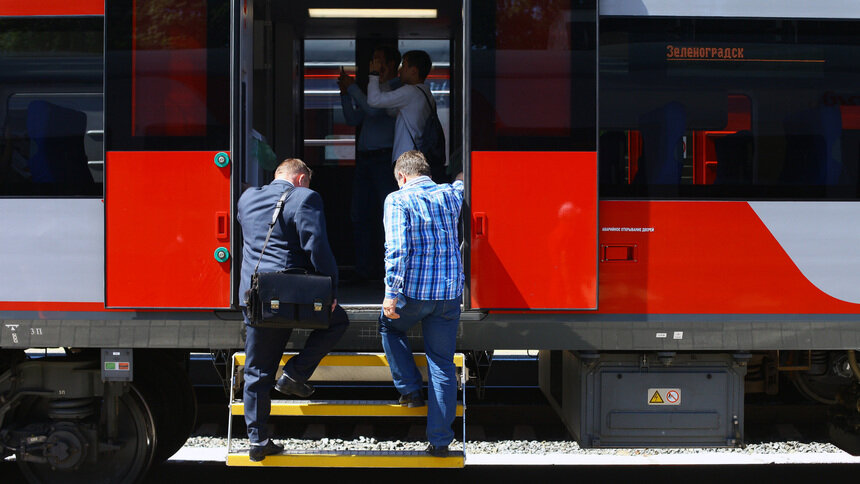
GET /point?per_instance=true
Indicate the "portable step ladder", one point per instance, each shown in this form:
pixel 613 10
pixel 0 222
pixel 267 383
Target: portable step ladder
pixel 371 366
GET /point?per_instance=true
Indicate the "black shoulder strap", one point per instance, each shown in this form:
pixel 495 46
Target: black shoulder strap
pixel 427 98
pixel 432 111
pixel 275 215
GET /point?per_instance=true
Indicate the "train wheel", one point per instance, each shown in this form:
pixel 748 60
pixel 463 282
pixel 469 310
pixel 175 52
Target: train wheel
pixel 126 463
pixel 168 392
pixel 834 374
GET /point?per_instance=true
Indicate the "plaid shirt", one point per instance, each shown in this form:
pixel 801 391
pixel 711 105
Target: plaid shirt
pixel 422 255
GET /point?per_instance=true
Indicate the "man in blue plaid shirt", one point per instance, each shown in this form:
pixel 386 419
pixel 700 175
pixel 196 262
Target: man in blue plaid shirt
pixel 423 282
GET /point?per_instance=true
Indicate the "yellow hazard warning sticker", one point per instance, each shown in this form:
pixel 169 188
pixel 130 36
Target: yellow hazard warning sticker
pixel 664 396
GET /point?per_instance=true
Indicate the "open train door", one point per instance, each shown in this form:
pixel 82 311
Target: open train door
pixel 532 173
pixel 168 162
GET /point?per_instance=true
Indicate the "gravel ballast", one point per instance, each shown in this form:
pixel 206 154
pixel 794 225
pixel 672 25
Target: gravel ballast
pixel 524 447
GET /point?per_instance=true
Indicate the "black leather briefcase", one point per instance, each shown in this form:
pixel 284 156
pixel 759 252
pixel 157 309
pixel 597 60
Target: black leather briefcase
pixel 290 299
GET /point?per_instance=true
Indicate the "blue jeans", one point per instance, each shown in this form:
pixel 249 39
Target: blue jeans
pixel 440 320
pixel 373 181
pixel 263 350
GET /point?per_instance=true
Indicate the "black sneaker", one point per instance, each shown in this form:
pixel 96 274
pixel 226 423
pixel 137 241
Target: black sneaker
pixel 288 386
pixel 259 452
pixel 412 400
pixel 441 451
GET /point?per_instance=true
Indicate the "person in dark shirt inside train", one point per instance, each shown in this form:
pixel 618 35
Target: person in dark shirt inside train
pixel 411 102
pixel 373 180
pixel 300 240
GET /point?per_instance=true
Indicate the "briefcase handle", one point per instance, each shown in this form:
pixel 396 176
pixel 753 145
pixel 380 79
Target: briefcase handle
pixel 295 270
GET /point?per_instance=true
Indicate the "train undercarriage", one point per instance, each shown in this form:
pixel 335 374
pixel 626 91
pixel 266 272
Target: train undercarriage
pixel 63 423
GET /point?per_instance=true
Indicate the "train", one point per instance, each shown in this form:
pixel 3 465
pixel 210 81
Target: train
pixel 659 198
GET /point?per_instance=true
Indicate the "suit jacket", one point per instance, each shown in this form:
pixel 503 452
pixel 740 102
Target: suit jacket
pixel 299 239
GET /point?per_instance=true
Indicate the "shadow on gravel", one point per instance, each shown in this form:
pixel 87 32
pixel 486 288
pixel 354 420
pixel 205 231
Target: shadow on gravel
pixel 735 474
pixel 547 474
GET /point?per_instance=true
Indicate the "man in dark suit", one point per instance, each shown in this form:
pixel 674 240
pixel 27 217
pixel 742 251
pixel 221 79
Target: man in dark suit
pixel 298 240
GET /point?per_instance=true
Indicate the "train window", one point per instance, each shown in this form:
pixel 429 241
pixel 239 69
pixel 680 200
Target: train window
pixel 729 108
pixel 51 109
pixel 533 75
pixel 328 138
pixel 168 75
pixel 728 8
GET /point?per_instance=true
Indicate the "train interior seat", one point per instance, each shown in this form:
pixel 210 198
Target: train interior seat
pixel 734 158
pixel 662 145
pixel 813 151
pixel 58 136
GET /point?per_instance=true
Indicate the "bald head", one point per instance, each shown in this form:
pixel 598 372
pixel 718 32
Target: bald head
pixel 294 171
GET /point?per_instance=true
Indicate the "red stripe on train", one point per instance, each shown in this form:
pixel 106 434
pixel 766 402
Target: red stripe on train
pixel 50 306
pixel 75 307
pixel 51 7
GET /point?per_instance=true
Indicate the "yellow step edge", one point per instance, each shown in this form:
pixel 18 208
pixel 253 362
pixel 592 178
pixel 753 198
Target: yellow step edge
pixel 359 359
pixel 286 408
pixel 350 460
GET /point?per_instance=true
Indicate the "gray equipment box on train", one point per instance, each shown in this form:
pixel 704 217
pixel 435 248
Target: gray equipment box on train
pixel 117 364
pixel 632 400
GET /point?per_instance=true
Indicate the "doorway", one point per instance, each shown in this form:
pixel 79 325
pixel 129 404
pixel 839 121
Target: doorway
pixel 292 104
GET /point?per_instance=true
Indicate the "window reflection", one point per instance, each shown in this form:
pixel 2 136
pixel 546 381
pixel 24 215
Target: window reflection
pixel 168 77
pixel 729 108
pixel 169 67
pixel 51 112
pixel 533 75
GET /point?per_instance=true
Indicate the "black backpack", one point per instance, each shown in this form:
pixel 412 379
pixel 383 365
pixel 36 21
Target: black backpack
pixel 432 142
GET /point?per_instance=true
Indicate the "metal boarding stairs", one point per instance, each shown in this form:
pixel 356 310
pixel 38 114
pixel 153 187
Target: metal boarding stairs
pixel 365 366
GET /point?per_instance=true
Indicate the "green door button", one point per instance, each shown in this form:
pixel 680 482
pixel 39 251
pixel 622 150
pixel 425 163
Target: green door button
pixel 222 254
pixel 222 159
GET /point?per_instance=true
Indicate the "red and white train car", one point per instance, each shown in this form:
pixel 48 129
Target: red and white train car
pixel 654 188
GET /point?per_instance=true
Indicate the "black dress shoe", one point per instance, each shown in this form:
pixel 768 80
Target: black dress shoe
pixel 288 386
pixel 412 400
pixel 441 451
pixel 259 452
